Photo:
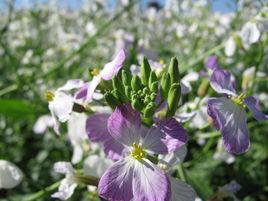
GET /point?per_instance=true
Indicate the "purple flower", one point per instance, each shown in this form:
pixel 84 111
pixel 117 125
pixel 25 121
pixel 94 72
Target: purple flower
pixel 133 176
pixel 212 62
pixel 229 114
pixel 107 73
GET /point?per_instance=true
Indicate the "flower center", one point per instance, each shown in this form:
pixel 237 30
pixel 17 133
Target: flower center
pixel 137 153
pixel 239 100
pixel 94 72
pixel 49 96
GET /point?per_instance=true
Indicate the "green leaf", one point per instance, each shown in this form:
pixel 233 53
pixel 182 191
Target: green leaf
pixel 16 108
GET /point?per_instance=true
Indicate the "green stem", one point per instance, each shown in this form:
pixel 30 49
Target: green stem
pixel 181 173
pixel 8 89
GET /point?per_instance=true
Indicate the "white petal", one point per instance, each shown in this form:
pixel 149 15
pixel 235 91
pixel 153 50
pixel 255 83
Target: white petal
pixel 77 154
pixel 64 168
pixel 230 47
pixel 71 84
pixel 61 106
pixel 181 191
pixel 10 175
pixel 249 34
pixel 66 189
pixel 174 158
pixel 92 87
pixel 200 119
pixel 42 124
pixel 96 165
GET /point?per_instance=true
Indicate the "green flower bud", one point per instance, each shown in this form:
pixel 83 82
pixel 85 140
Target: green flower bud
pixel 152 78
pixel 111 100
pixel 154 87
pixel 128 92
pixel 173 71
pixel 165 85
pixel 118 85
pixel 153 96
pixel 136 104
pixel 173 99
pixel 126 77
pixel 145 71
pixel 145 90
pixel 136 83
pixel 149 110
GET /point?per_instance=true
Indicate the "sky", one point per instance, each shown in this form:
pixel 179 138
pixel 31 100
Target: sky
pixel 223 6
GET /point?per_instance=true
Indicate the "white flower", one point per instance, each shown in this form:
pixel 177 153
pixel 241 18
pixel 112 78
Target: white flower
pixel 10 175
pixel 249 34
pixel 68 184
pixel 42 123
pixel 77 134
pixel 230 47
pixel 61 102
pixel 186 81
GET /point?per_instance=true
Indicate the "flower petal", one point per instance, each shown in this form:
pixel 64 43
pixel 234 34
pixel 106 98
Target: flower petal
pixel 63 168
pixel 116 182
pixel 180 191
pixel 165 136
pixel 10 175
pixel 221 81
pixel 124 125
pixel 96 128
pixel 82 92
pixel 174 158
pixel 150 183
pixel 71 84
pixel 61 106
pixel 212 62
pixel 92 87
pixel 66 189
pixel 96 165
pixel 253 104
pixel 231 120
pixel 112 68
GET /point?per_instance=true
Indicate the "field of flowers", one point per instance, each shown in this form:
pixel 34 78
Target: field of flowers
pixel 156 102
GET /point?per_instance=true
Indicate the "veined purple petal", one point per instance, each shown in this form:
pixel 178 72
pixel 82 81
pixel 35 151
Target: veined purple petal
pixel 165 136
pixel 124 125
pixel 212 62
pixel 82 92
pixel 253 104
pixel 116 183
pixel 96 128
pixel 150 183
pixel 112 68
pixel 181 191
pixel 221 81
pixel 231 120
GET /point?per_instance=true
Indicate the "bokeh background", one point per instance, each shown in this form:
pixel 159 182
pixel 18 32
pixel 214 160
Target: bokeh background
pixel 45 43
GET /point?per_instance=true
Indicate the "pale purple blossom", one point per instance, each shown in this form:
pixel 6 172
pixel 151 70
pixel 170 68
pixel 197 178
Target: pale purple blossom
pixel 229 114
pixel 133 176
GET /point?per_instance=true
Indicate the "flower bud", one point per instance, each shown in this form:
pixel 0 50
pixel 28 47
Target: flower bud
pixel 173 71
pixel 111 100
pixel 165 85
pixel 173 99
pixel 152 78
pixel 145 71
pixel 136 104
pixel 118 85
pixel 149 110
pixel 154 87
pixel 126 77
pixel 128 92
pixel 136 83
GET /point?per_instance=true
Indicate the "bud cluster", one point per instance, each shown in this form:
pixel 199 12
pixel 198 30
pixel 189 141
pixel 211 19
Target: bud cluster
pixel 147 92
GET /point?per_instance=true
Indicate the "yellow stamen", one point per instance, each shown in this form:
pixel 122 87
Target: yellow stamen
pixel 49 96
pixel 94 72
pixel 239 100
pixel 161 61
pixel 137 153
